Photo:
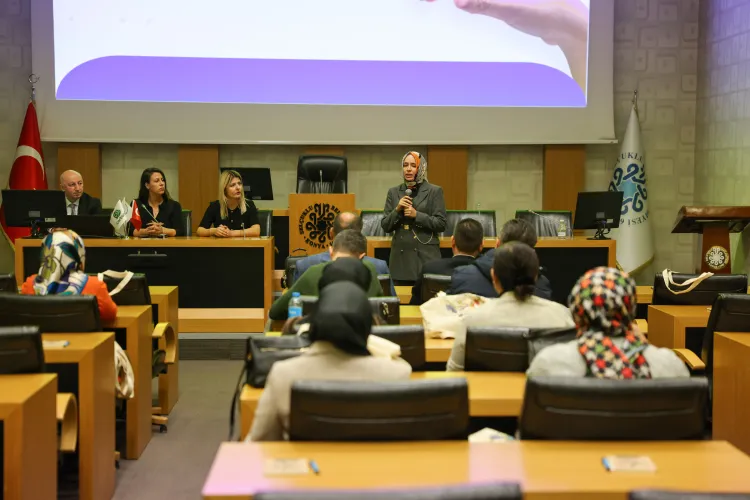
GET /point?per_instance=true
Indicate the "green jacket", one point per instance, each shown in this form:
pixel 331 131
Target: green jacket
pixel 307 284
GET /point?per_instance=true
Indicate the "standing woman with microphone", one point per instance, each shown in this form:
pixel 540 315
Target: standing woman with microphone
pixel 415 213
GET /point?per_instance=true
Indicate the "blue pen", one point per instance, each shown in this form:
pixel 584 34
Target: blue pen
pixel 314 467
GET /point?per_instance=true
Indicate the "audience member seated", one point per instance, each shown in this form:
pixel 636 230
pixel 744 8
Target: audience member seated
pixel 475 278
pixel 62 273
pixel 348 243
pixel 466 243
pixel 78 202
pixel 514 272
pixel 344 220
pixel 609 344
pixel 339 329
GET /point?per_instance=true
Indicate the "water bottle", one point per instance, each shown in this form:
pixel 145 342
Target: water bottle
pixel 562 229
pixel 295 306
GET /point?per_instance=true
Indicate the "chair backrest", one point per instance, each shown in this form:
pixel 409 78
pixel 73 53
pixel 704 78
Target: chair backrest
pixel 496 349
pixel 8 283
pixel 333 170
pixel 547 222
pixel 21 350
pixel 371 223
pixel 411 340
pixel 51 313
pixel 703 295
pixel 684 495
pixel 409 410
pixel 385 284
pixel 290 265
pixel 187 221
pixel 539 338
pixel 265 217
pixel 135 293
pixel 434 283
pixel 502 491
pixel 485 217
pixel 729 313
pixel 587 408
pixel 387 308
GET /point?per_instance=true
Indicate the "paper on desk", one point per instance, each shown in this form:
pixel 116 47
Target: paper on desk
pixel 286 467
pixel 615 463
pixel 488 435
pixel 54 344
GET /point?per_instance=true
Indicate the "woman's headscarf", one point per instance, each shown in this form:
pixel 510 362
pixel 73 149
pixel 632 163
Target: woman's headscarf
pixel 346 269
pixel 421 169
pixel 343 318
pixel 63 261
pixel 603 304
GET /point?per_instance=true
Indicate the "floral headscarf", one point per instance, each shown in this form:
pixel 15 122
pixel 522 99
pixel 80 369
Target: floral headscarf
pixel 421 169
pixel 603 304
pixel 63 261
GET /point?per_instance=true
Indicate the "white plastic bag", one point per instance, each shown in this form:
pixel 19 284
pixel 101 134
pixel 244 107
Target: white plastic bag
pixel 690 284
pixel 442 315
pixel 124 378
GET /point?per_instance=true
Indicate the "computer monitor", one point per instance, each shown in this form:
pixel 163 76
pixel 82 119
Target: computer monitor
pixel 89 226
pixel 38 209
pixel 256 182
pixel 598 210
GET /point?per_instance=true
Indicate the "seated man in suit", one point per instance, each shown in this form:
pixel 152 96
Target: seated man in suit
pixel 466 243
pixel 76 201
pixel 476 278
pixel 347 244
pixel 344 220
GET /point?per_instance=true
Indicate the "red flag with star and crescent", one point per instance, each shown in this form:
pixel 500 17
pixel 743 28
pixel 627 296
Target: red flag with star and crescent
pixel 28 168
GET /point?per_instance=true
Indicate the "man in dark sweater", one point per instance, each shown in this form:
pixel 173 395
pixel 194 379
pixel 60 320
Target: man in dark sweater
pixel 476 278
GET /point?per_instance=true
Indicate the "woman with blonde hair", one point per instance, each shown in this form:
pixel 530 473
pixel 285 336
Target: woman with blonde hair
pixel 231 215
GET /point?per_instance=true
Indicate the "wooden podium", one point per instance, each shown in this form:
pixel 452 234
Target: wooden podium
pixel 311 218
pixel 715 223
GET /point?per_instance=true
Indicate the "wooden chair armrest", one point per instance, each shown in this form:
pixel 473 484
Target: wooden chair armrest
pixel 693 362
pixel 66 412
pixel 167 340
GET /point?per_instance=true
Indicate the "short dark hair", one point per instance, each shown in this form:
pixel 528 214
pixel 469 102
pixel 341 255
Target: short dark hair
pixel 468 235
pixel 351 242
pixel 518 230
pixel 354 223
pixel 516 267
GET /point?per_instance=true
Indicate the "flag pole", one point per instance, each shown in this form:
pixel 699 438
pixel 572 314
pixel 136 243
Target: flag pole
pixel 33 80
pixel 635 100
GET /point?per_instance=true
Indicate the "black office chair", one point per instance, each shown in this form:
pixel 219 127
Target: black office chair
pixel 21 350
pixel 539 338
pixel 411 340
pixel 432 284
pixel 187 221
pixel 409 410
pixel 290 265
pixel 385 284
pixel 322 174
pixel 684 495
pixel 79 313
pixel 8 283
pixel 371 223
pixel 265 217
pixel 587 408
pixel 388 309
pixel 703 295
pixel 547 222
pixel 485 217
pixel 502 491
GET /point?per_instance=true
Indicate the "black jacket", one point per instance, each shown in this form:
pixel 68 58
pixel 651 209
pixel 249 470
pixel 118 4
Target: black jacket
pixel 476 278
pixel 88 205
pixel 440 266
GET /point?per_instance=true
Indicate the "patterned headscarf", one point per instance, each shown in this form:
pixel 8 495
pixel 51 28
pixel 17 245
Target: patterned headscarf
pixel 63 260
pixel 421 169
pixel 603 304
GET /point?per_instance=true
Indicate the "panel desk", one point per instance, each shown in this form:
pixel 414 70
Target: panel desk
pixel 731 389
pixel 491 394
pixel 210 273
pixel 545 470
pixel 86 368
pixel 29 436
pixel 564 259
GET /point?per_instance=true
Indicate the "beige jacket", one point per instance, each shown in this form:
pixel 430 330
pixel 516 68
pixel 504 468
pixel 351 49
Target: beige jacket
pixel 322 361
pixel 506 310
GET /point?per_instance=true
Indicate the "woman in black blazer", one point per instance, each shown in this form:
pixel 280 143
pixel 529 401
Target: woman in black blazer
pixel 416 220
pixel 160 214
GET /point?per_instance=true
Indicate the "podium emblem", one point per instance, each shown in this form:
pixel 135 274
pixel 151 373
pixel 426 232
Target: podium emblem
pixel 717 257
pixel 315 222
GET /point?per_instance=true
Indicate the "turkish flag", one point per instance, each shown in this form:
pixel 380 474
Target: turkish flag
pixel 28 168
pixel 135 218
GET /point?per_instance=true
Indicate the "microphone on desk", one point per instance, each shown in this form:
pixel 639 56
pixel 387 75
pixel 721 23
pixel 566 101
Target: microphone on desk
pixel 321 180
pixel 243 230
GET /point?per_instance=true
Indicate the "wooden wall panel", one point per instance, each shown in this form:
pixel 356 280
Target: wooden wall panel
pixel 324 150
pixel 448 168
pixel 84 158
pixel 564 176
pixel 198 168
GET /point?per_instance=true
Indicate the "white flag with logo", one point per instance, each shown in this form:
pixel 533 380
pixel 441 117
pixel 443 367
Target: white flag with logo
pixel 119 218
pixel 635 242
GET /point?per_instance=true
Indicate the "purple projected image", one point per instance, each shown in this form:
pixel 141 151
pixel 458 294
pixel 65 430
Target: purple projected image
pixel 285 81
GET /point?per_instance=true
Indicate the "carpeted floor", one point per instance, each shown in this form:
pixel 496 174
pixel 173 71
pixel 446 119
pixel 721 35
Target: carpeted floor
pixel 175 464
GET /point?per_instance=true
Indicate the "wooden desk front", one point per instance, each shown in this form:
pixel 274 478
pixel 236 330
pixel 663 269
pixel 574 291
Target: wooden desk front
pixel 544 469
pixel 27 411
pixel 731 389
pixel 667 324
pixel 94 386
pixel 491 394
pixel 165 298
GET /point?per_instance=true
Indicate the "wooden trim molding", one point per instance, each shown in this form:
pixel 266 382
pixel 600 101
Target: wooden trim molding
pixel 564 176
pixel 448 168
pixel 198 168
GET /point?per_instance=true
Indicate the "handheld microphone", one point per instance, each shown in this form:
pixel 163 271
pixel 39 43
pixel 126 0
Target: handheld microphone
pixel 409 192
